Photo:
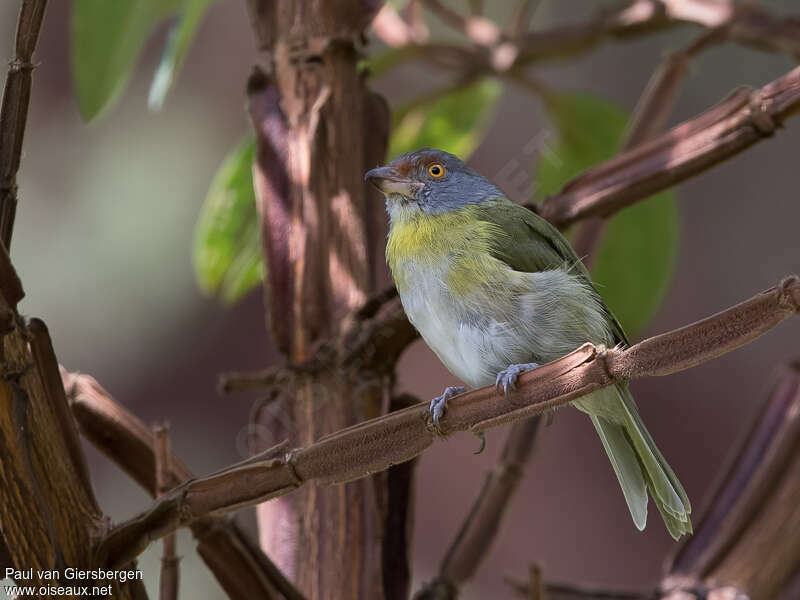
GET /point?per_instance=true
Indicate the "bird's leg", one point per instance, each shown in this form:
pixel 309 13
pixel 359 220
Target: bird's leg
pixel 439 404
pixel 508 377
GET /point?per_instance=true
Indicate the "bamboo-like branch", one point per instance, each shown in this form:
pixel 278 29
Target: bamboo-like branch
pixel 168 584
pixel 241 568
pixel 743 119
pixel 753 507
pixel 375 445
pixel 14 112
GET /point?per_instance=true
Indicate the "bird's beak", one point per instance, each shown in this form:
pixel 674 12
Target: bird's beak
pixel 389 181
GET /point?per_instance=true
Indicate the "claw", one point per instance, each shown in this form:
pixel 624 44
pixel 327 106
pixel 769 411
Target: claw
pixel 439 404
pixel 508 377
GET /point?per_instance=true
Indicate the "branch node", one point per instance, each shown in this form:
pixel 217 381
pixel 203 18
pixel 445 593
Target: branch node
pixel 288 460
pixel 763 121
pixel 16 65
pixel 789 293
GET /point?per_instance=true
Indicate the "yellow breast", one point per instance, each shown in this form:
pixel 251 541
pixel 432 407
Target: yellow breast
pixel 458 244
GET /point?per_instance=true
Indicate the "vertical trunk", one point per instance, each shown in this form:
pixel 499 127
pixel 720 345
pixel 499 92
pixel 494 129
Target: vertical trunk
pixel 317 127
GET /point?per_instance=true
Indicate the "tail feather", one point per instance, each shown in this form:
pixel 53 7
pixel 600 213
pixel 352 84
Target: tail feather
pixel 635 458
pixel 626 467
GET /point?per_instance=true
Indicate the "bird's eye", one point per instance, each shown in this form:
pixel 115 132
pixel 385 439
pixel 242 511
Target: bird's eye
pixel 436 170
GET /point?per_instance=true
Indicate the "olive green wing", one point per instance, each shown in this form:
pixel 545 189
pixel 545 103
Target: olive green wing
pixel 533 244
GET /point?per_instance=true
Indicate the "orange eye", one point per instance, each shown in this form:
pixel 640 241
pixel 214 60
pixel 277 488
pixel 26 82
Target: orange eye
pixel 436 170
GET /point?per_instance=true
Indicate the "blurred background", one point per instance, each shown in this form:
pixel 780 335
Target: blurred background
pixel 103 246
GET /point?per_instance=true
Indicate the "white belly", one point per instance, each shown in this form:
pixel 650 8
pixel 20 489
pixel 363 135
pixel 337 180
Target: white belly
pixel 547 315
pixel 472 344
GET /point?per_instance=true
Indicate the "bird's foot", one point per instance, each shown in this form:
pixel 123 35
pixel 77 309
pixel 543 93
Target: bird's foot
pixel 508 377
pixel 439 404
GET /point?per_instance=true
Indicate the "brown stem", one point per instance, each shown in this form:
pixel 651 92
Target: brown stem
pixel 482 524
pixel 754 505
pixel 478 29
pixel 752 26
pixel 168 588
pixel 649 119
pixel 746 544
pixel 242 570
pixel 743 119
pixel 566 591
pixel 376 444
pixel 14 111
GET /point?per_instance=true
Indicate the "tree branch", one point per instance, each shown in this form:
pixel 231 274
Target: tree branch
pixel 752 26
pixel 482 525
pixel 738 122
pixel 753 507
pixel 14 112
pixel 241 568
pixel 374 445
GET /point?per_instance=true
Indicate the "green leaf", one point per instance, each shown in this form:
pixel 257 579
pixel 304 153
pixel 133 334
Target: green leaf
pixel 634 264
pixel 107 38
pixel 175 50
pixel 454 123
pixel 635 260
pixel 227 248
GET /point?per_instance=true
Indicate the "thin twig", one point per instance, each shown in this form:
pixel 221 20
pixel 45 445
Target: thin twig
pixel 376 444
pixel 649 119
pixel 14 112
pixel 168 589
pixel 482 524
pixel 478 29
pixel 520 17
pixel 535 582
pixel 752 26
pixel 566 591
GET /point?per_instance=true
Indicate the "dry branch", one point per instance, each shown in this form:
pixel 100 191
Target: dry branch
pixel 243 571
pixel 49 516
pixel 746 545
pixel 14 112
pixel 738 122
pixel 482 525
pixel 749 536
pixel 375 445
pixel 751 25
pixel 169 581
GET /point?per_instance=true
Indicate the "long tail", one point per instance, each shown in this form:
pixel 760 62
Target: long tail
pixel 637 462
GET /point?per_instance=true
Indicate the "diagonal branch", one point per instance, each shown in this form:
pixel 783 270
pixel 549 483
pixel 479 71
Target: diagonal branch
pixel 375 445
pixel 743 119
pixel 482 525
pixel 753 508
pixel 241 568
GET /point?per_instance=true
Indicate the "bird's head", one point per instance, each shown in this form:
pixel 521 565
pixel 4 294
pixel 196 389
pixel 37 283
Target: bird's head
pixel 429 182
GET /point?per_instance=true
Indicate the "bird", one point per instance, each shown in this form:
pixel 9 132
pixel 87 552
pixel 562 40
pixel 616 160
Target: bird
pixel 495 290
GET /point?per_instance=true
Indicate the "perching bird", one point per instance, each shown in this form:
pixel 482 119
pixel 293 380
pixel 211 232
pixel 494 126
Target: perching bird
pixel 495 290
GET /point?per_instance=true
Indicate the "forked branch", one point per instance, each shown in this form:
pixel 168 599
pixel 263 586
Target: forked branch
pixel 377 444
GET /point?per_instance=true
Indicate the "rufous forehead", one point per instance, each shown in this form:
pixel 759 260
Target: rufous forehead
pixel 404 167
pixel 407 165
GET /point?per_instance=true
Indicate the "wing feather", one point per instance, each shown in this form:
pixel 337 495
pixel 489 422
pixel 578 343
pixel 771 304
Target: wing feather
pixel 534 245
